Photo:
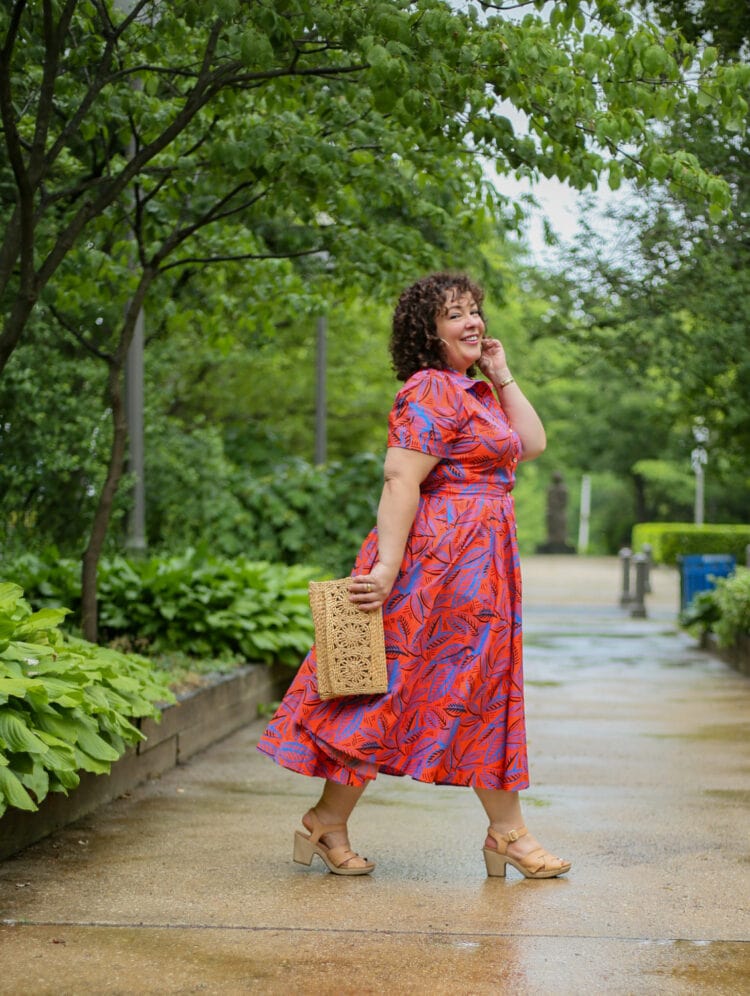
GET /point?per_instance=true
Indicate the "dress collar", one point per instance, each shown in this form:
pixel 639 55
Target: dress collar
pixel 469 383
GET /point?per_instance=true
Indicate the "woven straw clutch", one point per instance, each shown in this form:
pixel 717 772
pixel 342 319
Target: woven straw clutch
pixel 349 644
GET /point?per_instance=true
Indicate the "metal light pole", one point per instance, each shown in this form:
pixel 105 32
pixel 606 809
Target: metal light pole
pixel 698 460
pixel 585 514
pixel 321 404
pixel 136 539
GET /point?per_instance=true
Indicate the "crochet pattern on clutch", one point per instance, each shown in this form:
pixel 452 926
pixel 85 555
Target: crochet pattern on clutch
pixel 349 644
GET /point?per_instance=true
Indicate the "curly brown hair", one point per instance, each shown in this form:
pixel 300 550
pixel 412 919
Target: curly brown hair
pixel 414 340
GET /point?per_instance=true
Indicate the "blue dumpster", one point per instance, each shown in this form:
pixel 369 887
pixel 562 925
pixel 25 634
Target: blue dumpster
pixel 698 571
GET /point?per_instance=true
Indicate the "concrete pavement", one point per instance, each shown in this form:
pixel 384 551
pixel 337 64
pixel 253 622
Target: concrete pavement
pixel 640 775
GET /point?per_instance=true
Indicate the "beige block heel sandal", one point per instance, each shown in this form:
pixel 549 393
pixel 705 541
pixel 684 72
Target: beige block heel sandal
pixel 532 865
pixel 306 846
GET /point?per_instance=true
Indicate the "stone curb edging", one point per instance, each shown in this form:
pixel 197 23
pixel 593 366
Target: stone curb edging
pixel 198 720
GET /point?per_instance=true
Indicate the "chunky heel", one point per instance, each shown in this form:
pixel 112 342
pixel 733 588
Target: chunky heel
pixel 537 864
pixel 303 849
pixel 496 863
pixel 336 859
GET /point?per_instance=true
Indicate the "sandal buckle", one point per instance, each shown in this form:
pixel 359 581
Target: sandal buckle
pixel 512 836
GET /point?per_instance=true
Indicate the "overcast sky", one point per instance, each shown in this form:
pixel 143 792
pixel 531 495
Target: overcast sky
pixel 557 201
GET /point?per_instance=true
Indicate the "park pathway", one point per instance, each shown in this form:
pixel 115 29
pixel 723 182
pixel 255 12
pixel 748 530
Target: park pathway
pixel 640 775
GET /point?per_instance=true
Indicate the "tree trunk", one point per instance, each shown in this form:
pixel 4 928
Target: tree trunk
pixel 641 507
pixel 14 327
pixel 115 396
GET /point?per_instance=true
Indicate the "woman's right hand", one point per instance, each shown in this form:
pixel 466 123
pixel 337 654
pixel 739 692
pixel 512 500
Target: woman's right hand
pixel 370 591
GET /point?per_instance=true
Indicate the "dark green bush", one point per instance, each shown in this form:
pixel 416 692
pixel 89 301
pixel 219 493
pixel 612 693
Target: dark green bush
pixel 191 498
pixel 306 514
pixel 291 513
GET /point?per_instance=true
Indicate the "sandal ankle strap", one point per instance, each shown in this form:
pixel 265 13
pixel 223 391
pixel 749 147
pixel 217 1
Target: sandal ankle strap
pixel 507 838
pixel 321 829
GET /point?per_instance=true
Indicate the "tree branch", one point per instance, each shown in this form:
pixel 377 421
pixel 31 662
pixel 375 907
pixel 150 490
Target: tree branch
pixel 323 71
pixel 19 236
pixel 205 88
pixel 239 258
pixel 78 336
pixel 54 38
pixel 197 98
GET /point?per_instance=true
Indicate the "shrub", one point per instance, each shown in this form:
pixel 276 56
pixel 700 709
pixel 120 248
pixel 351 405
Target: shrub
pixel 732 597
pixel 724 610
pixel 65 705
pixel 191 496
pixel 306 514
pixel 670 540
pixel 291 513
pixel 204 606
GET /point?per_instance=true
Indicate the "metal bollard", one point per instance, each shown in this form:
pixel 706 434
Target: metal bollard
pixel 625 555
pixel 647 551
pixel 638 607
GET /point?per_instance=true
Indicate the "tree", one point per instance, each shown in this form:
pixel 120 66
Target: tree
pixel 664 314
pixel 720 22
pixel 412 74
pixel 344 136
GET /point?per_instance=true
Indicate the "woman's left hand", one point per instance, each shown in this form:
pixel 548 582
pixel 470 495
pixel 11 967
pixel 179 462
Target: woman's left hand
pixel 493 362
pixel 369 591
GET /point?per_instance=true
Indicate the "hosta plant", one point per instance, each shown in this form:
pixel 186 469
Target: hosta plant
pixel 193 603
pixel 65 705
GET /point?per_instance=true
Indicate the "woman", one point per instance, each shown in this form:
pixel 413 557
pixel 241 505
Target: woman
pixel 443 564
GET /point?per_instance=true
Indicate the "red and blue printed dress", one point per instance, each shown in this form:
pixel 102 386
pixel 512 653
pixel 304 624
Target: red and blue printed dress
pixel 454 710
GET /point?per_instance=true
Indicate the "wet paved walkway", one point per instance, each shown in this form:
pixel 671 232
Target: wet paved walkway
pixel 640 775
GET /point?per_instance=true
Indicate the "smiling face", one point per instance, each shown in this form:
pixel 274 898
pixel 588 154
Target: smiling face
pixel 460 327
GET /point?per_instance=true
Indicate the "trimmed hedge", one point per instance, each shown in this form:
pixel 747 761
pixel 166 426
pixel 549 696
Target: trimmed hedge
pixel 670 540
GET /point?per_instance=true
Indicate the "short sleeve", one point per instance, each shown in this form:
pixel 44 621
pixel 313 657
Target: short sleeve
pixel 425 415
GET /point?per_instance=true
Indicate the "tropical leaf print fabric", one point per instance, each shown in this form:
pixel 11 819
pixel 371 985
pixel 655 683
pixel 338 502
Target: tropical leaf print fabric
pixel 454 710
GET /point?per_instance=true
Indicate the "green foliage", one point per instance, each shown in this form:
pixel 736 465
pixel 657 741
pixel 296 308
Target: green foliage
pixel 287 512
pixel 65 705
pixel 529 501
pixel 612 512
pixel 726 23
pixel 724 610
pixel 306 514
pixel 732 597
pixel 198 604
pixel 53 443
pixel 187 673
pixel 342 133
pixel 702 614
pixel 670 540
pixel 192 490
pixel 668 486
pixel 260 388
pixel 309 151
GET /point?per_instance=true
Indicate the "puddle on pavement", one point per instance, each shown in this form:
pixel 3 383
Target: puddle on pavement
pixel 234 788
pixel 710 966
pixel 736 797
pixel 729 733
pixel 673 664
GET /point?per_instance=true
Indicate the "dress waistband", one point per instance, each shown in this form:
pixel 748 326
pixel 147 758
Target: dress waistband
pixel 469 490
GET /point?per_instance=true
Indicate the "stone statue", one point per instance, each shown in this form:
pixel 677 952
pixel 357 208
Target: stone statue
pixel 557 518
